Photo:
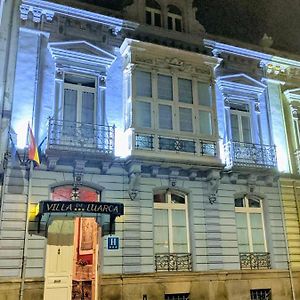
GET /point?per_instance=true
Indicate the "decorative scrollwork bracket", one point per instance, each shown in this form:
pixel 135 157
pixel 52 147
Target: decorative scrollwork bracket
pixel 213 181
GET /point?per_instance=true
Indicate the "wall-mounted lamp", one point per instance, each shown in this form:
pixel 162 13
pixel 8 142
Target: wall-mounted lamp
pixel 145 297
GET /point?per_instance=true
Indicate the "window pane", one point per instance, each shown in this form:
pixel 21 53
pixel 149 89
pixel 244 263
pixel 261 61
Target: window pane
pixel 87 113
pixel 254 203
pixel 157 20
pixel 239 202
pixel 160 217
pixel 165 88
pixel 185 93
pixel 246 129
pixel 177 24
pixel 234 128
pixel 165 116
pixel 242 232
pixel 70 105
pixel 177 199
pixel 179 231
pixel 159 198
pixel 143 114
pixel 205 122
pixel 161 231
pixel 204 94
pixel 185 119
pixel 170 23
pixel 148 17
pixel 143 84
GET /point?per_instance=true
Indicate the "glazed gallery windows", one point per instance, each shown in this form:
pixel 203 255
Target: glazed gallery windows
pixel 172 103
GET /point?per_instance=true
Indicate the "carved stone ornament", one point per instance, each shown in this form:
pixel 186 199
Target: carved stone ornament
pixel 37 13
pixel 294 111
pixel 257 107
pixel 174 63
pixel 134 175
pixel 134 185
pixel 213 181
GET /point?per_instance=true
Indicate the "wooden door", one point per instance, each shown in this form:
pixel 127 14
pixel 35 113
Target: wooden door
pixel 59 260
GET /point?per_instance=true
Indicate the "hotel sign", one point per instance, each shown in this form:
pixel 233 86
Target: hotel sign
pixel 80 208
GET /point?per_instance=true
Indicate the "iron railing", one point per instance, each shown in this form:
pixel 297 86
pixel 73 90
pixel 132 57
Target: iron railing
pixel 255 260
pixel 261 294
pixel 173 262
pixel 250 155
pixel 163 143
pixel 66 135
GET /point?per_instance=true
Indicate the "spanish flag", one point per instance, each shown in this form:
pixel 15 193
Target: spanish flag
pixel 33 153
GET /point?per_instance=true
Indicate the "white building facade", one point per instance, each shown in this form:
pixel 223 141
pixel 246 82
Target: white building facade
pixel 136 111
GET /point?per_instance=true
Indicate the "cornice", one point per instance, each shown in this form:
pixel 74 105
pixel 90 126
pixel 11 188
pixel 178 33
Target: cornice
pixel 49 9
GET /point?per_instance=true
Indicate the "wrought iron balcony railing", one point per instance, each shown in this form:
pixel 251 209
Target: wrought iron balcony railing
pixel 81 137
pixel 255 260
pixel 250 155
pixel 173 262
pixel 162 143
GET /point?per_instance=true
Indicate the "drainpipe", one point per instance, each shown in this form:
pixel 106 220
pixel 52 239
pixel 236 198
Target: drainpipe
pixel 286 241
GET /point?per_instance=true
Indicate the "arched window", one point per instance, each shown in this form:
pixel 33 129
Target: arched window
pixel 250 224
pixel 174 18
pixel 171 223
pixel 153 13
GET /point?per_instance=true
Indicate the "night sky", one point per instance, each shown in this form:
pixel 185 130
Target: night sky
pixel 245 20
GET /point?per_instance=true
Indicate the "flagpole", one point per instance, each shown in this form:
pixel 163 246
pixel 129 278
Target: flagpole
pixel 25 246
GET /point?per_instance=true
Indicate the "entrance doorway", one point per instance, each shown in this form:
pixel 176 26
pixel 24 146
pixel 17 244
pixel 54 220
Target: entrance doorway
pixel 72 251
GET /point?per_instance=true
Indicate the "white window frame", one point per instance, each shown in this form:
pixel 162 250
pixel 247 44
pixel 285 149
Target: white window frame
pixel 248 211
pixel 80 89
pixel 169 206
pixel 239 114
pixel 175 105
pixel 152 12
pixel 175 17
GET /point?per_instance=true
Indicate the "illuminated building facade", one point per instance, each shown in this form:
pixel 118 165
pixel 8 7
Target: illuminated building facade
pixel 140 109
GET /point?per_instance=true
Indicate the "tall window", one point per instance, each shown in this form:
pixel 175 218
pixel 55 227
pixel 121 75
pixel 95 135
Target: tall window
pixel 153 13
pixel 172 103
pixel 240 122
pixel 171 223
pixel 79 103
pixel 250 225
pixel 174 18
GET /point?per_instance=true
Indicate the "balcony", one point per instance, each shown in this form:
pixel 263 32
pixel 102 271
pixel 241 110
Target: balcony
pixel 239 154
pixel 80 138
pixel 167 147
pixel 255 261
pixel 173 262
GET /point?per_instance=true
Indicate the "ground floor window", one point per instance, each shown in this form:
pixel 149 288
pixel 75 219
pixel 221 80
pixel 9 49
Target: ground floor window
pixel 261 294
pixel 177 296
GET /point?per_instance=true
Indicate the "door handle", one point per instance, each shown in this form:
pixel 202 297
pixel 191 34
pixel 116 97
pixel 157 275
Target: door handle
pixel 57 281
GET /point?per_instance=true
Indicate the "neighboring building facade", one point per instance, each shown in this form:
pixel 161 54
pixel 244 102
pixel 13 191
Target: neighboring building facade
pixel 133 110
